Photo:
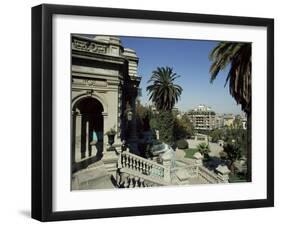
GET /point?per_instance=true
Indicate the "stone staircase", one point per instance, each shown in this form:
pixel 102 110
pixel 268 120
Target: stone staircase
pixel 133 171
pixel 94 176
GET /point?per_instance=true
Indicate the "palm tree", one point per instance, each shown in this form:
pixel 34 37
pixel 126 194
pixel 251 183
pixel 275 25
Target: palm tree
pixel 238 57
pixel 164 93
pixel 203 148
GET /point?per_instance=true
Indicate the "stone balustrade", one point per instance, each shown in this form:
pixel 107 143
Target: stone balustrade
pixel 133 179
pixel 197 170
pixel 208 176
pixel 192 170
pixel 141 165
pixel 135 171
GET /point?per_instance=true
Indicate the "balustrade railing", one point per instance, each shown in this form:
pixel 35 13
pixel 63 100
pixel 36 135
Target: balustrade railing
pixel 203 173
pixel 136 171
pixel 208 176
pixel 141 165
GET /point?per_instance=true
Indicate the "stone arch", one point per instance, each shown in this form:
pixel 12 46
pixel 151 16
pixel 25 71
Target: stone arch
pixel 101 99
pixel 89 117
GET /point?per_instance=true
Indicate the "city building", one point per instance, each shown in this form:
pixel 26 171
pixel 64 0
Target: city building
pixel 203 118
pixel 219 121
pixel 242 120
pixel 228 119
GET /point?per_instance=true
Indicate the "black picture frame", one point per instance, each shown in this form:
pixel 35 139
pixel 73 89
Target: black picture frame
pixel 42 111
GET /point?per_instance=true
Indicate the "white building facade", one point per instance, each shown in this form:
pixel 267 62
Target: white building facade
pixel 202 118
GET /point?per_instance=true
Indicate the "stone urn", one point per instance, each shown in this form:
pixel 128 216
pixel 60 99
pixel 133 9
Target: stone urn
pixel 111 136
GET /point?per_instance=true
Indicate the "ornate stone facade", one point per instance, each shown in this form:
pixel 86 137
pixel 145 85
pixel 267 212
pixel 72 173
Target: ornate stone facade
pixel 104 91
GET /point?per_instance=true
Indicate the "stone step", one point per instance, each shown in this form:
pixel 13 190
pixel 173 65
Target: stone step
pixel 93 177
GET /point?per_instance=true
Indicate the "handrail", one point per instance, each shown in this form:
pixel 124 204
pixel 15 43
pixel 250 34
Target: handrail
pixel 142 159
pixel 135 171
pixel 208 175
pixel 132 178
pixel 141 165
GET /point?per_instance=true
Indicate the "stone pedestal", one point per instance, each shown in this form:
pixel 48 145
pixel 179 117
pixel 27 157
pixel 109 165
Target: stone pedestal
pixel 199 158
pixel 223 173
pixel 94 149
pixel 110 160
pixel 167 159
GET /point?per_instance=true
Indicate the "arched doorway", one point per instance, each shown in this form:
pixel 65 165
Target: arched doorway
pixel 87 130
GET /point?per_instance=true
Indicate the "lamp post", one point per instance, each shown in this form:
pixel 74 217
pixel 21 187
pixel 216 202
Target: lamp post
pixel 129 113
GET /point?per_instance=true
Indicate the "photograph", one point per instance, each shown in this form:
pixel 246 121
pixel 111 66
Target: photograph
pixel 153 111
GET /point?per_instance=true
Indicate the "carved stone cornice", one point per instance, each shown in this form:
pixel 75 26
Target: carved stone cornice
pixel 87 46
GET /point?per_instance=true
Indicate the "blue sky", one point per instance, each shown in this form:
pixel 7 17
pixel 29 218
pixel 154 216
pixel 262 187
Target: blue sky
pixel 189 59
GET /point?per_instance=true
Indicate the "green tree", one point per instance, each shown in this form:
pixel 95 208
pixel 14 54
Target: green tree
pixel 238 56
pixel 183 128
pixel 165 121
pixel 164 93
pixel 216 135
pixel 237 123
pixel 143 116
pixel 233 152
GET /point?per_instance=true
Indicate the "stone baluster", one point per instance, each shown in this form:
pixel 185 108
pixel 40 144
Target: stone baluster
pixel 122 160
pixel 137 182
pixel 159 171
pixel 136 164
pixel 125 176
pixel 133 163
pixel 141 182
pixel 127 161
pixel 141 166
pixel 148 169
pixel 131 181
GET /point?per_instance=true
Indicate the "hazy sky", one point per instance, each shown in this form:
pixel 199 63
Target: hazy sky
pixel 189 59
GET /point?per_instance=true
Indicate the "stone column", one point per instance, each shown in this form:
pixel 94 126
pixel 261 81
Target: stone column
pixel 105 129
pixel 87 153
pixel 78 128
pixel 167 163
pixel 73 125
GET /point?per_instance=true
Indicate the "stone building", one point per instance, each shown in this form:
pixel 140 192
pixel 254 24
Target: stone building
pixel 104 91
